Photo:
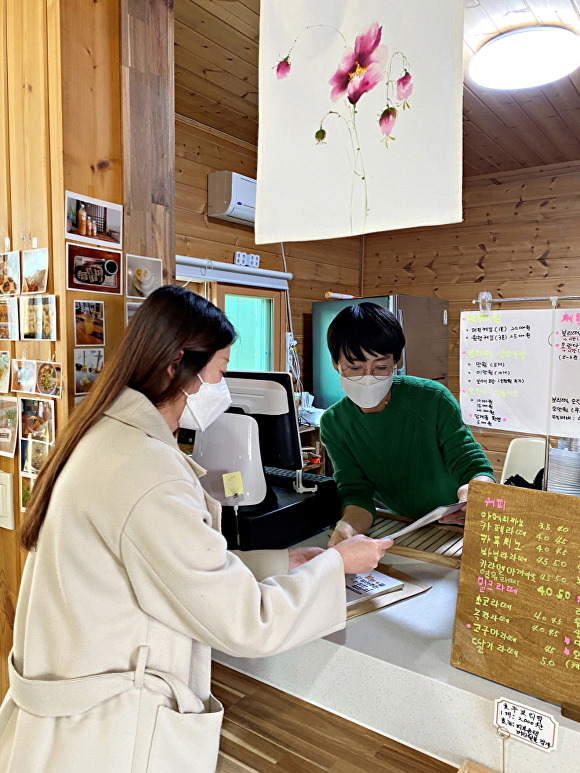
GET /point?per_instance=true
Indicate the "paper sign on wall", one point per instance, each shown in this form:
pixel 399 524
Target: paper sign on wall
pixel 518 370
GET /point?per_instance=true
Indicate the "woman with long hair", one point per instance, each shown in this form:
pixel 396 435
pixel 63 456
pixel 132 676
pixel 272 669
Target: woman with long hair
pixel 129 583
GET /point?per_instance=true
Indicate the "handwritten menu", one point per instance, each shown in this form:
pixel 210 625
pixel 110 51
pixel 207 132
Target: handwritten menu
pixel 517 620
pixel 518 371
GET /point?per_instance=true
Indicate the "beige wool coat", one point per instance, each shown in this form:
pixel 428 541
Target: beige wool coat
pixel 129 589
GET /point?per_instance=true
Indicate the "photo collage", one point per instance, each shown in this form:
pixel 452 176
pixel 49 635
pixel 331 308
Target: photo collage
pixel 95 263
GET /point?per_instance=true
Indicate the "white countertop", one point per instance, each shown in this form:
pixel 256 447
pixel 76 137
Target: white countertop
pixel 389 670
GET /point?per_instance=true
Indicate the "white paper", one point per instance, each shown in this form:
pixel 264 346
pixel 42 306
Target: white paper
pixel 366 586
pixel 434 515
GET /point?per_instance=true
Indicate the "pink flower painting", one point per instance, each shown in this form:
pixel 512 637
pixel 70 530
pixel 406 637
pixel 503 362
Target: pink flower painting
pixel 361 67
pixel 364 66
pixel 283 68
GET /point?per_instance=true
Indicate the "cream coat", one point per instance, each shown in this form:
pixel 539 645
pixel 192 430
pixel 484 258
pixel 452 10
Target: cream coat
pixel 130 587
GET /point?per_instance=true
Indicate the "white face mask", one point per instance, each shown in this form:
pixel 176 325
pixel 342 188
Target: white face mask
pixel 367 392
pixel 204 406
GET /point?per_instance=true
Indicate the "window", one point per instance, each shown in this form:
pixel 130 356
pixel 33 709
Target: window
pixel 258 316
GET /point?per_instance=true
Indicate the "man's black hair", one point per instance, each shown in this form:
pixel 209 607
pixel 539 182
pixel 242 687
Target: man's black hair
pixel 365 327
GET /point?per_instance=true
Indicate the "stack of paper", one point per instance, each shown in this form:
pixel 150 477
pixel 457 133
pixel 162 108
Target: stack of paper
pixel 564 472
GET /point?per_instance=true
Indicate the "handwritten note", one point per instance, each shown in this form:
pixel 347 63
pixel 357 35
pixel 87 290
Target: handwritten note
pixel 518 371
pixel 518 607
pixel 527 724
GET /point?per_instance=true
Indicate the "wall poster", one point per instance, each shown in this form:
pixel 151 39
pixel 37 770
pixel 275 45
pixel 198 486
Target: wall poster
pixel 519 370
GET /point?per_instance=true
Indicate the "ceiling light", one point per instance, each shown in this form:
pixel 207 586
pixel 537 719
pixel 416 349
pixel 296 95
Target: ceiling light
pixel 526 57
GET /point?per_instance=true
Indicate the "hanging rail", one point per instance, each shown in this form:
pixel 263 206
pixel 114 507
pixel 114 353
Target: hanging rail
pixel 485 300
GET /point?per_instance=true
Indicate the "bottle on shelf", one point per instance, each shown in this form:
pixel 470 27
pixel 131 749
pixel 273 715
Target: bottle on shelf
pixel 82 220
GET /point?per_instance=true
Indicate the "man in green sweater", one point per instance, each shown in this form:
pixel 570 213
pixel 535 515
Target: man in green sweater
pixel 398 439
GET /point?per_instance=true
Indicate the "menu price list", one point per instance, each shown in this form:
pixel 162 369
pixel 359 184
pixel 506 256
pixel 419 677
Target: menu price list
pixel 518 606
pixel 518 370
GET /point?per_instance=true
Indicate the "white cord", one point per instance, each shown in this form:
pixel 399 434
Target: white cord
pixel 294 359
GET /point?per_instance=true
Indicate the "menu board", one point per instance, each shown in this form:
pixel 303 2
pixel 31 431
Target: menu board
pixel 518 370
pixel 517 620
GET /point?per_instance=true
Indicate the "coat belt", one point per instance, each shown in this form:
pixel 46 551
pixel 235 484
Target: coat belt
pixel 66 697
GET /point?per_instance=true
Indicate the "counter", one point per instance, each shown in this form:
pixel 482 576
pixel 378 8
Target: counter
pixel 389 671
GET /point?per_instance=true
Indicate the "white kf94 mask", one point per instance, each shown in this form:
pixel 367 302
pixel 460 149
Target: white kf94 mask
pixel 204 406
pixel 367 391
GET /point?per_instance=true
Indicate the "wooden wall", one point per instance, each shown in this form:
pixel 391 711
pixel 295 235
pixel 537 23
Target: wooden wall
pixel 520 238
pixel 84 106
pixel 317 266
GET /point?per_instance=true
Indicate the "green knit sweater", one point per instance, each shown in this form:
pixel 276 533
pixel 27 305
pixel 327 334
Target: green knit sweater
pixel 412 456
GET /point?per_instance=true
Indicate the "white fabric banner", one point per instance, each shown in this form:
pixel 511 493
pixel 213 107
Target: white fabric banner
pixel 360 117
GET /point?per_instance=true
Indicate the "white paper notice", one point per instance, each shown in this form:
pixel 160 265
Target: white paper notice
pixel 565 421
pixel 536 728
pixel 518 370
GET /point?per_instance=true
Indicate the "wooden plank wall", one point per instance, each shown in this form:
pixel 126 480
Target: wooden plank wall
pixel 520 238
pixel 317 266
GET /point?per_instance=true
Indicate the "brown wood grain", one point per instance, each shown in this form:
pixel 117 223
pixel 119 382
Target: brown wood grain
pixel 516 621
pixel 268 731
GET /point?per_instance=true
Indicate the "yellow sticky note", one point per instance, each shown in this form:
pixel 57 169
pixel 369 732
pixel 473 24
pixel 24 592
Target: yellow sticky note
pixel 233 483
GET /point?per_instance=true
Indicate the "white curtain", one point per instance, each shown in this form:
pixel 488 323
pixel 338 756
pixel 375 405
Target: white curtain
pixel 360 117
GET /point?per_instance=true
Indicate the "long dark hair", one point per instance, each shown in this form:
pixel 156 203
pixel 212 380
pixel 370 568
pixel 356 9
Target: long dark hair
pixel 171 320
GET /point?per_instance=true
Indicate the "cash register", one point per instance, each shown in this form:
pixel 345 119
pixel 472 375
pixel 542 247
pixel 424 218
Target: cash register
pixel 258 437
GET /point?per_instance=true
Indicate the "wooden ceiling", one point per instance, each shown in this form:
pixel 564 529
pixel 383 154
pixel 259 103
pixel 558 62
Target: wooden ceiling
pixel 216 82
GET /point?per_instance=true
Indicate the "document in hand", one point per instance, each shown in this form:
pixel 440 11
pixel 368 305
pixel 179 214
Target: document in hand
pixel 360 587
pixel 434 515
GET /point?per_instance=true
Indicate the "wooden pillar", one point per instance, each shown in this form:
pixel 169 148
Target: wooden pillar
pixel 86 105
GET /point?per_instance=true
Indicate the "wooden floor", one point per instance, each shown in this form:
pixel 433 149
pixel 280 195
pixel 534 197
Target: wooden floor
pixel 268 731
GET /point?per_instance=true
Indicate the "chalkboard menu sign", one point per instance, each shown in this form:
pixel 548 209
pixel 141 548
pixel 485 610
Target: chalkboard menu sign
pixel 518 607
pixel 518 370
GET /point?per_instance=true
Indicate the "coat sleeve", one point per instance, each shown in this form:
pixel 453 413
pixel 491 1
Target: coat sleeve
pixel 264 563
pixel 354 488
pixel 464 457
pixel 184 576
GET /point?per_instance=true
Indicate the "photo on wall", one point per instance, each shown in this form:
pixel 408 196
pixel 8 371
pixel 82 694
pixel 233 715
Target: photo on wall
pixel 130 309
pixel 89 317
pixel 143 275
pixel 8 425
pixel 93 221
pixel 88 365
pixel 26 483
pixel 9 319
pixel 37 377
pixel 4 371
pixel 36 419
pixel 38 318
pixel 33 454
pixel 34 271
pixel 10 273
pixel 94 270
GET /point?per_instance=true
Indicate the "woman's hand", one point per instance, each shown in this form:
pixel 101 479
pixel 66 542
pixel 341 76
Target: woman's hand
pixel 299 556
pixel 361 554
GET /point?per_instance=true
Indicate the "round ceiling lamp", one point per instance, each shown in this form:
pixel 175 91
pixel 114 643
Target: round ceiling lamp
pixel 526 57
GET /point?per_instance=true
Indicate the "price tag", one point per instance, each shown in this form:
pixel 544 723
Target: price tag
pixel 526 724
pixel 233 484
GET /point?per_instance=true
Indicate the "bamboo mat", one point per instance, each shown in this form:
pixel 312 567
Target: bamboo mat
pixel 436 543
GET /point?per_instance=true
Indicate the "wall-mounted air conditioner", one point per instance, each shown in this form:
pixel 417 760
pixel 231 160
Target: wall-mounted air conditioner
pixel 231 196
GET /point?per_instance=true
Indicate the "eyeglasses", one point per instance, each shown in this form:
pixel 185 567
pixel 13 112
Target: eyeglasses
pixel 356 372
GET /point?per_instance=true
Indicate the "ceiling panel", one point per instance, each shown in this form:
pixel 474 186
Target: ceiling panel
pixel 216 77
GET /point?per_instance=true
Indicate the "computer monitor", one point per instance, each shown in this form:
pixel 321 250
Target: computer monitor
pixel 268 397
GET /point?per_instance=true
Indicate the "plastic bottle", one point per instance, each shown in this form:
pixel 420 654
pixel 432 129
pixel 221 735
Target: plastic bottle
pixel 82 220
